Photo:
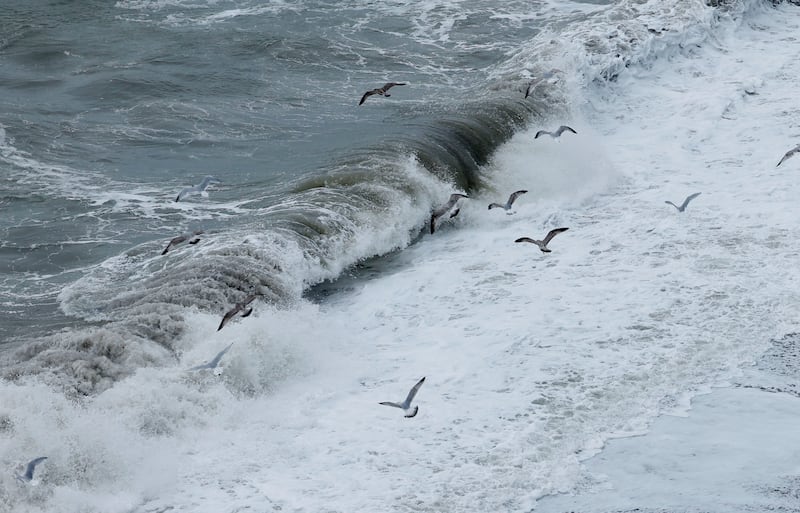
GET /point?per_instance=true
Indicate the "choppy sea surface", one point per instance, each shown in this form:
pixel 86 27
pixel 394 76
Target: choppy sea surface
pixel 532 361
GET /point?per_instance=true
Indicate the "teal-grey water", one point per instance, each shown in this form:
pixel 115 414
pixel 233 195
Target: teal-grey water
pixel 109 110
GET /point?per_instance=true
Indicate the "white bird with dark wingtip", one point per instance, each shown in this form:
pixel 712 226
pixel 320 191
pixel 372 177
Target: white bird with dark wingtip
pixel 238 307
pixel 199 188
pixel 28 475
pixel 536 81
pixel 439 212
pixel 381 91
pixel 789 154
pixel 212 364
pixel 556 134
pixel 685 202
pixel 543 243
pixel 406 405
pixel 511 199
pixel 191 237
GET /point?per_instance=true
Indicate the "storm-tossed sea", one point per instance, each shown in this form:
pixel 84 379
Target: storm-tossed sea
pixel 534 362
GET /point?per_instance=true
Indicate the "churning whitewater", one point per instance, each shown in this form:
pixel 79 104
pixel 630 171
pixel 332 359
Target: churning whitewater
pixel 225 246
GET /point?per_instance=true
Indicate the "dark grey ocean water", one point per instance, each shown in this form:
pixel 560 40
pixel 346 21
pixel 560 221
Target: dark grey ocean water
pixel 108 109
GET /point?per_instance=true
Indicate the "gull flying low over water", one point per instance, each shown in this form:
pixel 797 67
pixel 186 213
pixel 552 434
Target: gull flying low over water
pixel 28 475
pixel 199 188
pixel 543 243
pixel 382 91
pixel 439 212
pixel 214 362
pixel 511 199
pixel 557 133
pixel 789 154
pixel 191 237
pixel 406 405
pixel 536 81
pixel 238 307
pixel 685 202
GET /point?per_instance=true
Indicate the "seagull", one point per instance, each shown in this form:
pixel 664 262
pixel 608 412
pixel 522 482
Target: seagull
pixel 381 91
pixel 535 82
pixel 511 199
pixel 685 202
pixel 28 475
pixel 543 243
pixel 214 362
pixel 238 307
pixel 192 237
pixel 439 212
pixel 789 154
pixel 198 189
pixel 406 405
pixel 555 134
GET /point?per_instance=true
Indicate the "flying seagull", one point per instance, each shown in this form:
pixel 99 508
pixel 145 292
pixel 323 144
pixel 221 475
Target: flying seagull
pixel 685 202
pixel 198 189
pixel 238 307
pixel 381 91
pixel 543 243
pixel 439 212
pixel 191 237
pixel 406 405
pixel 535 82
pixel 789 154
pixel 511 199
pixel 28 475
pixel 557 133
pixel 214 362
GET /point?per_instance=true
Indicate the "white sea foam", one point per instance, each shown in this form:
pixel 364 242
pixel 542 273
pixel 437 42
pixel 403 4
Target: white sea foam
pixel 533 361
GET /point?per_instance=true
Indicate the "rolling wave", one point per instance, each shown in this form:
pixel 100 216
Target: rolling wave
pixel 134 306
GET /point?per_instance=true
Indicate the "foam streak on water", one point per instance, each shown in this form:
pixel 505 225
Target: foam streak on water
pixel 532 361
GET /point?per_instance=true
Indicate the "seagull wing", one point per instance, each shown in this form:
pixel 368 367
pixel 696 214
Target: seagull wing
pixel 31 466
pixel 541 132
pixel 213 363
pixel 389 85
pixel 552 233
pixel 496 205
pixel 228 315
pixel 528 89
pixel 514 196
pixel 564 128
pixel 673 204
pixel 413 392
pixel 208 181
pixel 175 241
pixel 525 239
pixel 789 154
pixel 387 403
pixel 688 199
pixel 184 192
pixel 366 95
